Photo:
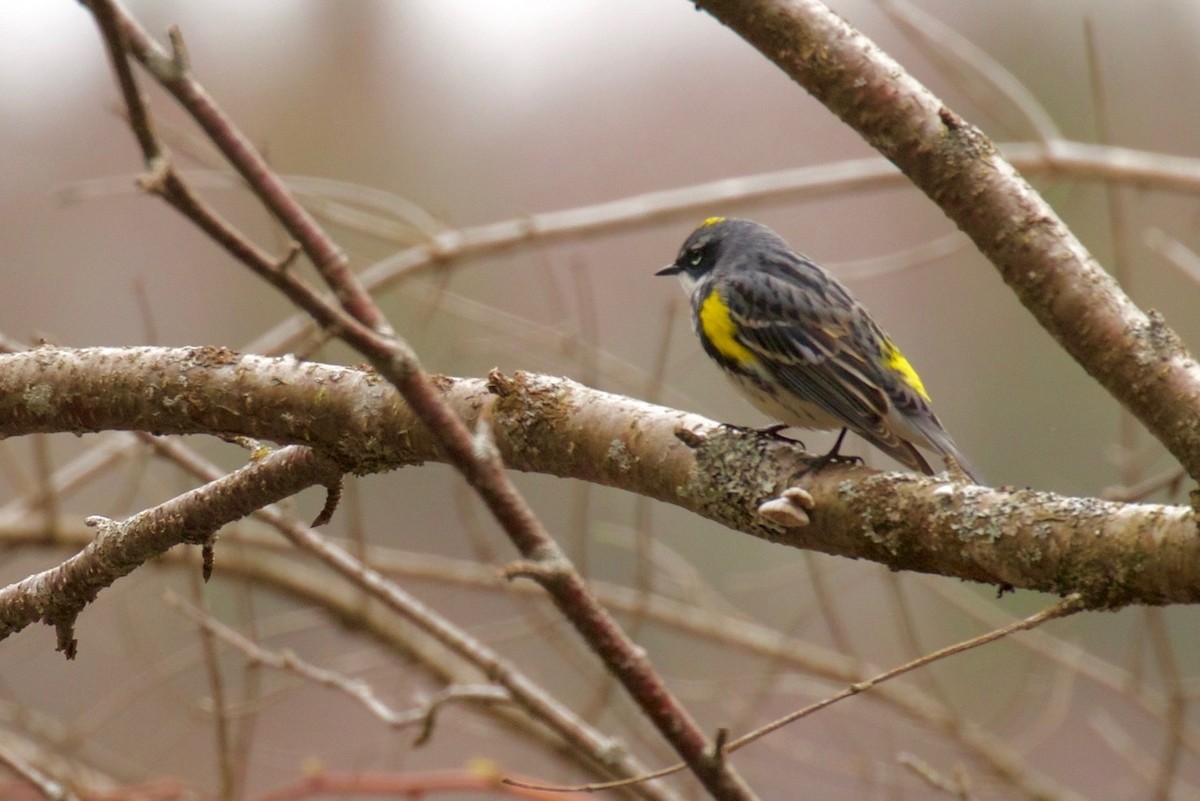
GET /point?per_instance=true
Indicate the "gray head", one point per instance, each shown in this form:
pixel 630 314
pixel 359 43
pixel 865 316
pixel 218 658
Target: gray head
pixel 724 242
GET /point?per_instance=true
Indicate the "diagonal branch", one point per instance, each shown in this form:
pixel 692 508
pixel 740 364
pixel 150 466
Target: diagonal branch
pixel 172 70
pixel 1134 355
pixel 360 324
pixel 56 596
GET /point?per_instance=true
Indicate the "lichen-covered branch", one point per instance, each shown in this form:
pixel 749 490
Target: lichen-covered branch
pixel 1112 553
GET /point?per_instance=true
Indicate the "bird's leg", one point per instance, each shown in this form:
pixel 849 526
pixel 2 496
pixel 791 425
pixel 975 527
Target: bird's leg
pixel 769 431
pixel 833 457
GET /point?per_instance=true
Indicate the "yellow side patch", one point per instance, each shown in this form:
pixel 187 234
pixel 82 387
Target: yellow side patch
pixel 711 221
pixel 897 363
pixel 719 328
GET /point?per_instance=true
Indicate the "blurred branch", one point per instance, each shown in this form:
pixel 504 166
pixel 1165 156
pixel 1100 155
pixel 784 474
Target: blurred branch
pixel 389 217
pixel 1134 355
pixel 49 788
pixel 971 68
pixel 1021 538
pixel 356 689
pixel 265 562
pixel 481 778
pixel 1068 606
pixel 385 214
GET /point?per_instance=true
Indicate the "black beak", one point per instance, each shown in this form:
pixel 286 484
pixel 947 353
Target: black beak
pixel 673 269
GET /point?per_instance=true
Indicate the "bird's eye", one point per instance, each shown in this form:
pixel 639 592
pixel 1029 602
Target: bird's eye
pixel 695 257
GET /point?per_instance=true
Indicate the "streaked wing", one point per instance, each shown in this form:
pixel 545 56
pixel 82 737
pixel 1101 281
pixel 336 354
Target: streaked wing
pixel 816 357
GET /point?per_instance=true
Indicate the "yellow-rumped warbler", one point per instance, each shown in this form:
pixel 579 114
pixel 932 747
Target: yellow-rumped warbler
pixel 798 345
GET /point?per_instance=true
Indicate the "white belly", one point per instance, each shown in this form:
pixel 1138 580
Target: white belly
pixel 792 411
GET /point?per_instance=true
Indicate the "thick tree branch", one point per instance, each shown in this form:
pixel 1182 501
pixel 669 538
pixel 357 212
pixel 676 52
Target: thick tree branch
pixel 1113 554
pixel 1134 355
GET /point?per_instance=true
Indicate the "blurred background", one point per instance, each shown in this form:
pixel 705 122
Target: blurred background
pixel 399 120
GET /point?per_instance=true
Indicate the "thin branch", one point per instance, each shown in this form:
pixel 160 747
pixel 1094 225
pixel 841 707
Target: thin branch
pixel 424 715
pixel 50 789
pixel 57 595
pixel 957 785
pixel 478 780
pixel 961 56
pixel 1068 606
pixel 222 724
pixel 1176 717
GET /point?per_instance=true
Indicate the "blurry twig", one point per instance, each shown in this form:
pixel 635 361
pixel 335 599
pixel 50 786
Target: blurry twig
pixel 899 261
pixel 47 786
pixel 962 58
pixel 1068 606
pixel 357 689
pixel 1174 251
pixel 1055 158
pixel 1168 668
pixel 958 785
pixel 222 720
pixel 1071 657
pixel 1170 480
pixel 1129 467
pixel 1129 749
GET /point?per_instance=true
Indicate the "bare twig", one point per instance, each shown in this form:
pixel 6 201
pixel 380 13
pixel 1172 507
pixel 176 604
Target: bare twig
pixel 481 778
pixel 424 715
pixel 957 785
pixel 49 788
pixel 945 45
pixel 1168 667
pixel 1067 606
pixel 57 595
pixel 222 723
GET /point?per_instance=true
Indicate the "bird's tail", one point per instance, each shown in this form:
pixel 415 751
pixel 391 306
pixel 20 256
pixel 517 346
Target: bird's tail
pixel 931 434
pixel 940 441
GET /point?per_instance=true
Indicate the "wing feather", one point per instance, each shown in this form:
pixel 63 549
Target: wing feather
pixel 810 336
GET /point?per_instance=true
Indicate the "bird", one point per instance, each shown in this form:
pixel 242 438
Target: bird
pixel 797 344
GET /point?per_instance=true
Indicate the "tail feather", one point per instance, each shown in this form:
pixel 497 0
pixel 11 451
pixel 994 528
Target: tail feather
pixel 938 440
